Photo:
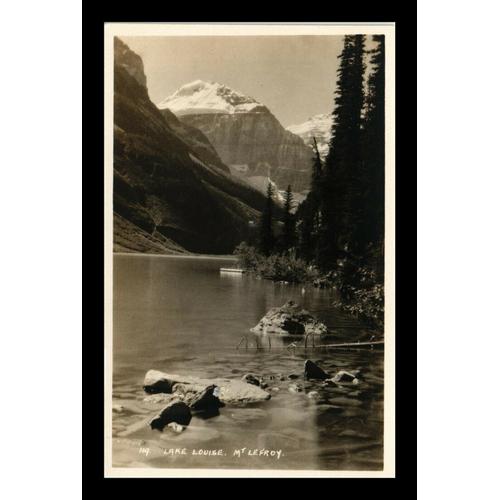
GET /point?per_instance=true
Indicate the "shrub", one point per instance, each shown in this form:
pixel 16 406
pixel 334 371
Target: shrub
pixel 361 293
pixel 248 256
pixel 276 267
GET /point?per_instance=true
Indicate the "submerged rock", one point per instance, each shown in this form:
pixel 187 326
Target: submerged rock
pixel 289 320
pixel 194 437
pixel 250 378
pixel 295 388
pixel 313 371
pixel 329 382
pixel 161 385
pixel 175 427
pixel 344 376
pixel 230 391
pixel 176 411
pixel 162 398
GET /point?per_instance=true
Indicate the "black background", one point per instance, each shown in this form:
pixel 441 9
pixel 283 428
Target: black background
pixel 93 234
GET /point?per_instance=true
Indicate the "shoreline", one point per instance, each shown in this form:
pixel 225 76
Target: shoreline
pixel 177 256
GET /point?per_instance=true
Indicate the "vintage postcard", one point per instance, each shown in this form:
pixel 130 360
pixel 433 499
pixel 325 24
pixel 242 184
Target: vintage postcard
pixel 249 250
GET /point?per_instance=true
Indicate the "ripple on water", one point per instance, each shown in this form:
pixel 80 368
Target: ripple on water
pixel 178 331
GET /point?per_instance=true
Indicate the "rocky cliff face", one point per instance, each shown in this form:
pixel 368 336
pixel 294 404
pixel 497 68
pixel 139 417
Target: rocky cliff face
pixel 258 141
pixel 196 140
pixel 130 62
pixel 246 135
pixel 168 196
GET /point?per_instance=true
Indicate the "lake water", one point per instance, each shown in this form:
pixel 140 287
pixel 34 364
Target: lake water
pixel 181 315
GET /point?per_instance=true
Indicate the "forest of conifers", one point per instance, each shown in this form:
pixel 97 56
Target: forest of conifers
pixel 336 236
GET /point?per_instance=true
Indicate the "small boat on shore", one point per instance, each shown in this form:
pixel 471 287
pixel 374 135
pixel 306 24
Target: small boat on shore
pixel 232 270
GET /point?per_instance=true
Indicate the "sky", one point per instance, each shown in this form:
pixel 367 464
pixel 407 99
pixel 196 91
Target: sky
pixel 294 76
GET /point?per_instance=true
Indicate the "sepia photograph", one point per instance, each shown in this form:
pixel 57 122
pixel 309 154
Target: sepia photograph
pixel 218 276
pixel 249 250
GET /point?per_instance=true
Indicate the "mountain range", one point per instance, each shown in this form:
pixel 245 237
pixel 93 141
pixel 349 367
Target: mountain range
pixel 191 173
pixel 244 132
pixel 172 191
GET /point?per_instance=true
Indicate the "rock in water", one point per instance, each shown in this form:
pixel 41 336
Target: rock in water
pixel 159 386
pixel 204 401
pixel 118 408
pixel 313 371
pixel 177 428
pixel 231 391
pixel 177 412
pixel 343 376
pixel 250 378
pixel 289 320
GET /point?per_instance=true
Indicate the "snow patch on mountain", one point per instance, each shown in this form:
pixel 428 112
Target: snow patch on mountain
pixel 201 97
pixel 320 127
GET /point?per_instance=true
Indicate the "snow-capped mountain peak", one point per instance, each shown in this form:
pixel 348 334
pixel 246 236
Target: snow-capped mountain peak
pixel 320 127
pixel 200 97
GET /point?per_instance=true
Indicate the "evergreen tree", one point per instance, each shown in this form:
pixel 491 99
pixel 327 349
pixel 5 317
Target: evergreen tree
pixel 305 225
pixel 317 228
pixel 266 224
pixel 309 212
pixel 317 171
pixel 288 239
pixel 340 196
pixel 371 230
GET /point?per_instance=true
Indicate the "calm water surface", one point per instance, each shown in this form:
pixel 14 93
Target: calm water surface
pixel 181 315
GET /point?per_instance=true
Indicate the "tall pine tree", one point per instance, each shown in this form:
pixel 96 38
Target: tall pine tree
pixel 288 238
pixel 317 180
pixel 309 211
pixel 266 224
pixel 342 172
pixel 317 171
pixel 368 236
pixel 372 228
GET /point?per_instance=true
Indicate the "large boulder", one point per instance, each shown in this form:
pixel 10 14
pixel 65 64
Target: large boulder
pixel 230 391
pixel 313 371
pixel 289 319
pixel 176 411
